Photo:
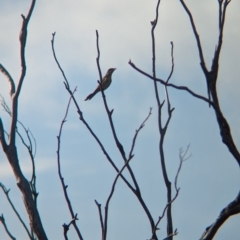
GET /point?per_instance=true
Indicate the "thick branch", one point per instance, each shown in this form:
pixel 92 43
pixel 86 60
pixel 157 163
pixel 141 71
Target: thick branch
pixel 232 209
pixel 11 151
pixel 22 39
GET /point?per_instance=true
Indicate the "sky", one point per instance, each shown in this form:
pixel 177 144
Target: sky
pixel 209 180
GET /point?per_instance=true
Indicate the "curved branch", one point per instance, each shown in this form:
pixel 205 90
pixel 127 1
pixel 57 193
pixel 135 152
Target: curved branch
pixel 23 40
pixel 230 210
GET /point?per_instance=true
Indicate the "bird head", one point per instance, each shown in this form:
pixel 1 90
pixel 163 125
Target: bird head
pixel 110 71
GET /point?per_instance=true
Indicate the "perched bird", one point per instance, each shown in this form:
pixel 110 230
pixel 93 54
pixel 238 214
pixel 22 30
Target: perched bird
pixel 106 81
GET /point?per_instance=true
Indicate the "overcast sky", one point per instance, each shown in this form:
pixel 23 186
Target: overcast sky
pixel 209 180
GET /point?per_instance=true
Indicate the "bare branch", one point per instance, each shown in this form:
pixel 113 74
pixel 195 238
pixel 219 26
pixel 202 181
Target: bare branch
pixel 101 218
pixel 182 158
pixel 11 150
pixel 137 131
pixel 67 226
pixel 171 85
pixel 2 220
pixel 2 137
pixel 64 187
pixel 28 146
pixel 211 77
pixel 110 196
pixel 84 121
pixel 162 129
pixel 109 113
pixel 196 36
pixel 22 39
pixel 137 192
pixel 154 24
pixel 119 173
pixel 6 192
pixel 231 209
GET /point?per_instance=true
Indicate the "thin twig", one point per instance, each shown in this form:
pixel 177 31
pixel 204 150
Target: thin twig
pixel 101 218
pixel 137 131
pixel 2 220
pixel 67 86
pixel 182 158
pixel 67 226
pixel 64 187
pixel 137 192
pixel 28 146
pixel 110 196
pixel 6 192
pixel 116 178
pixel 171 85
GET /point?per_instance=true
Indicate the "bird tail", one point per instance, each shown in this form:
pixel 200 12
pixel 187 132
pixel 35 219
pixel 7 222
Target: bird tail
pixel 89 97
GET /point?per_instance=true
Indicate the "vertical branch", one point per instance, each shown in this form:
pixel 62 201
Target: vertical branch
pixel 28 145
pixel 220 14
pixel 154 24
pixel 211 78
pixel 137 192
pixel 163 129
pixel 101 218
pixel 23 40
pixel 64 186
pixel 11 150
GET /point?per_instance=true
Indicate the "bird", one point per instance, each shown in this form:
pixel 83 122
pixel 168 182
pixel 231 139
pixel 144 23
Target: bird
pixel 106 81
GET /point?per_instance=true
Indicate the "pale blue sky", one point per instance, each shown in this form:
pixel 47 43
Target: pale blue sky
pixel 208 181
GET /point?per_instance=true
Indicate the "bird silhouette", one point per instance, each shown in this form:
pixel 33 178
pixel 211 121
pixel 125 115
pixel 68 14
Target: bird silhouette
pixel 106 81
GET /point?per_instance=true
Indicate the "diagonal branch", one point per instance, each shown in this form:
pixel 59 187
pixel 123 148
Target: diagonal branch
pixel 171 85
pixel 104 227
pixel 231 209
pixel 6 192
pixel 2 220
pixel 67 86
pixel 200 51
pixel 137 192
